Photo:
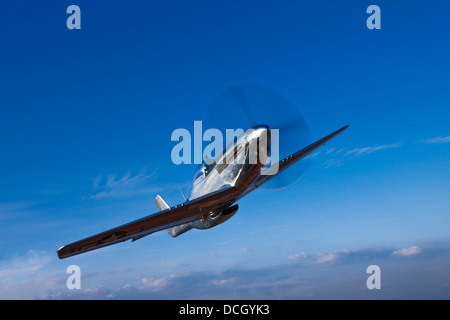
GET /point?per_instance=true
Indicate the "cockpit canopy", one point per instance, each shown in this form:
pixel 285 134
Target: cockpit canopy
pixel 201 170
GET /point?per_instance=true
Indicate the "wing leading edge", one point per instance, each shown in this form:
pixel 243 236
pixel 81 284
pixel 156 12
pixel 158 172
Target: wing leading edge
pixel 183 213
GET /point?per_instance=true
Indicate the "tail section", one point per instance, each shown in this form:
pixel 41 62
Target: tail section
pixel 177 230
pixel 206 222
pixel 161 204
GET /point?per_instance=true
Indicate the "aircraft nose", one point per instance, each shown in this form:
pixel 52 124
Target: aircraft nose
pixel 262 129
pixel 261 126
pixel 262 135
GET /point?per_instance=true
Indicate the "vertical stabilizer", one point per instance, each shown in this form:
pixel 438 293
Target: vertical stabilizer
pixel 160 203
pixel 177 230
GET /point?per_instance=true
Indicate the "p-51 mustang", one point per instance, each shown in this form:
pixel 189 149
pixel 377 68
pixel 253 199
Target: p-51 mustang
pixel 216 188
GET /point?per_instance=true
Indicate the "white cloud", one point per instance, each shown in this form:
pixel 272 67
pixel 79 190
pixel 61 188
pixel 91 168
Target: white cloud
pixel 321 257
pixel 312 155
pixel 20 268
pixel 223 282
pixel 337 157
pixel 368 150
pixel 156 284
pixel 32 276
pixel 298 256
pixel 26 276
pixel 408 251
pixel 438 140
pixel 329 256
pixel 126 185
pixel 333 163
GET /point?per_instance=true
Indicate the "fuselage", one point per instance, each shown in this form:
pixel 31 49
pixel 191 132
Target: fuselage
pixel 238 166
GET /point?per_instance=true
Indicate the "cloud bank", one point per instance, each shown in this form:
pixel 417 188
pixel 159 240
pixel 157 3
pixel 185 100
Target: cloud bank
pixel 406 273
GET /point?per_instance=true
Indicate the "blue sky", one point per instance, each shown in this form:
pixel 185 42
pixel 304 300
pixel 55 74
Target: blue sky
pixel 85 123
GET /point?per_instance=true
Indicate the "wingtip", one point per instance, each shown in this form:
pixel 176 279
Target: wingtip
pixel 341 129
pixel 58 252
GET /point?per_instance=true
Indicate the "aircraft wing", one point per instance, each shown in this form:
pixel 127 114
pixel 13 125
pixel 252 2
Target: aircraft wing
pixel 293 158
pixel 183 213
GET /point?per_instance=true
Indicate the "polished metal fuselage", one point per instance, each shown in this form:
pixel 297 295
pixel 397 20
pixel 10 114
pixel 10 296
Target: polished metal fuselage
pixel 239 165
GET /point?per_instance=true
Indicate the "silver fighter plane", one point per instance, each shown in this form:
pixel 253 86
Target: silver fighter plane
pixel 216 188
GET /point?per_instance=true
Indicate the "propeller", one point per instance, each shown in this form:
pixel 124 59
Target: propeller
pixel 247 105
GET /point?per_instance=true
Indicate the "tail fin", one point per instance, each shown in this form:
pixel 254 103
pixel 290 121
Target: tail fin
pixel 160 203
pixel 177 230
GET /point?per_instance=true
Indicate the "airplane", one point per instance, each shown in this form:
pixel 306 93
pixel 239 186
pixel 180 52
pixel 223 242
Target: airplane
pixel 216 188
